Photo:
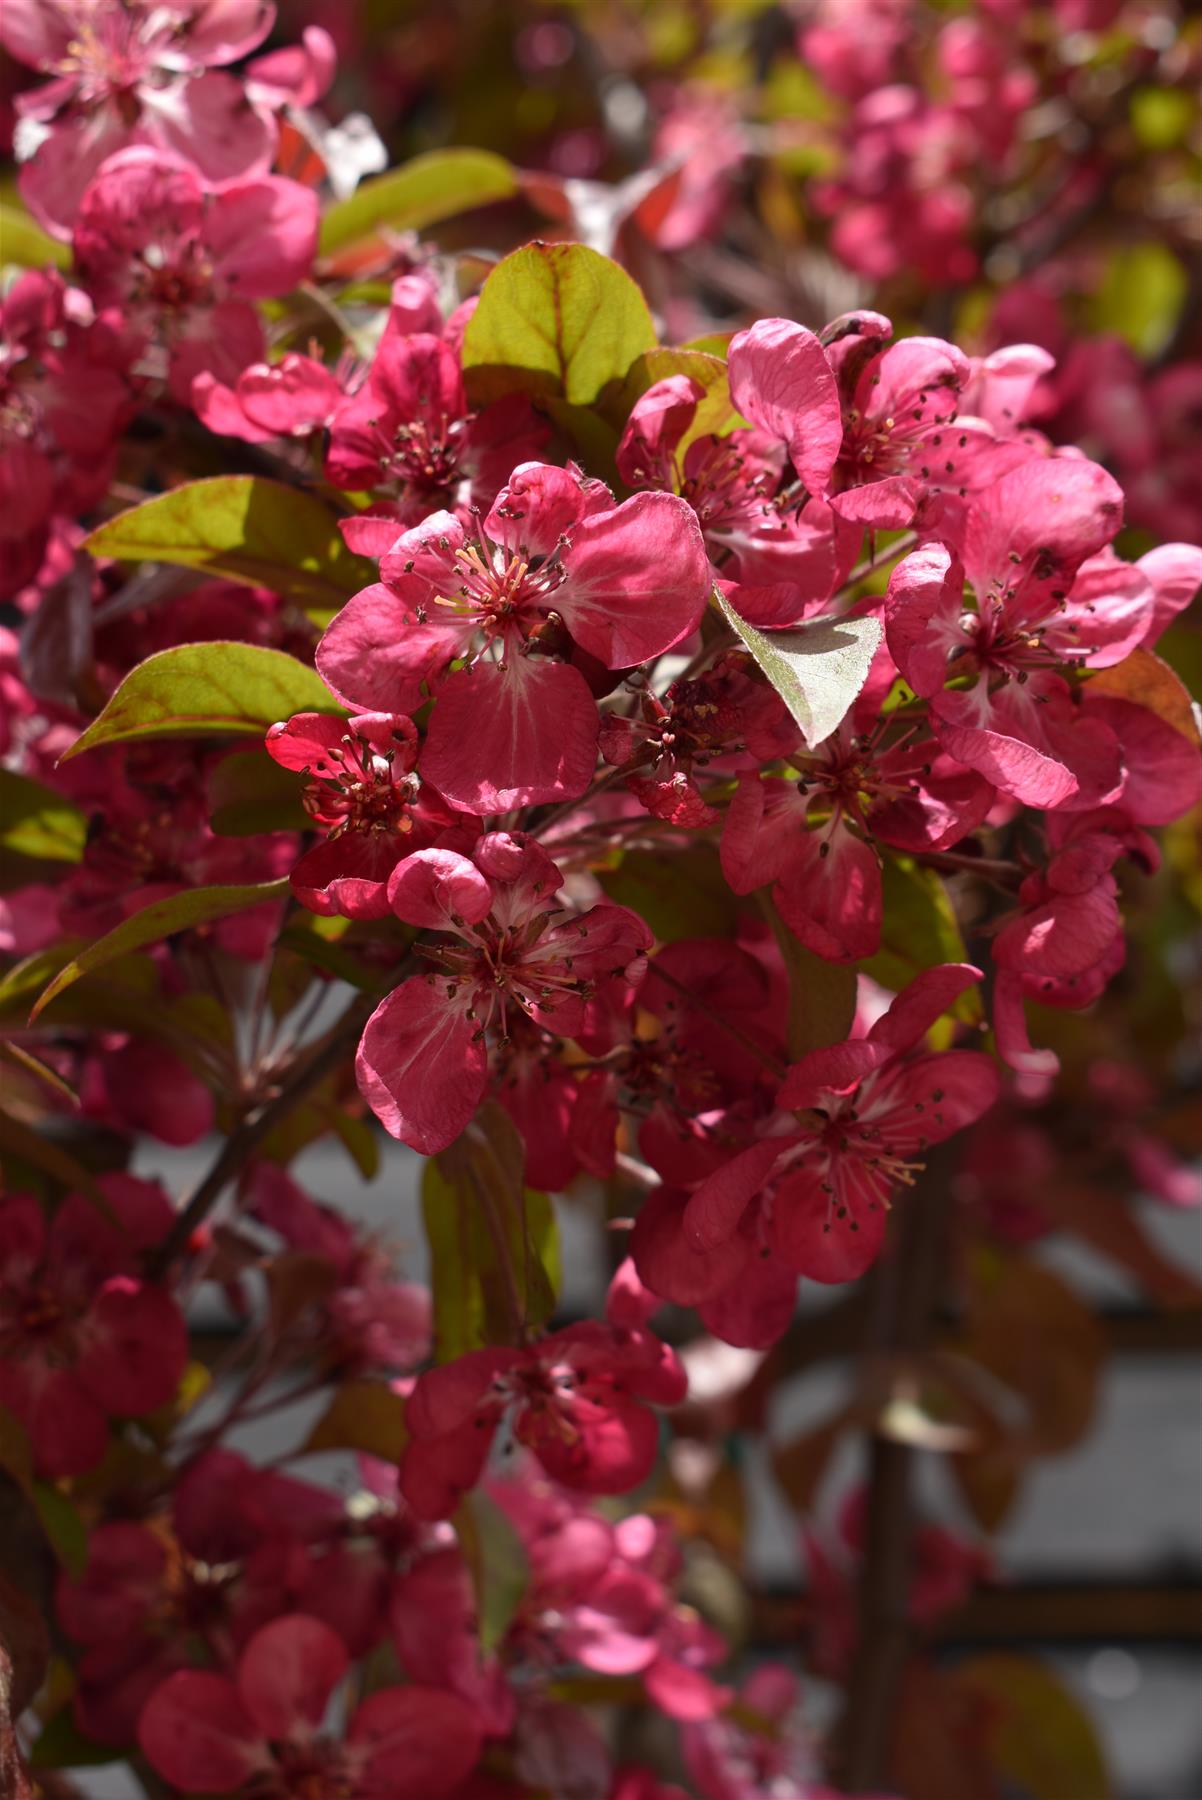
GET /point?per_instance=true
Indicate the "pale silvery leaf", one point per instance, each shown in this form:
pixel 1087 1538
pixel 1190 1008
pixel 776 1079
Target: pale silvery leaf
pixel 817 668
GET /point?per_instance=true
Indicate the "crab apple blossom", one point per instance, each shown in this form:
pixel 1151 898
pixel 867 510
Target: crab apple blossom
pixel 185 263
pixel 577 1400
pixel 675 703
pixel 83 1338
pixel 754 517
pixel 260 1732
pixel 553 565
pixel 945 1568
pixel 1040 606
pixel 812 838
pixel 64 396
pixel 362 790
pixel 722 717
pixel 366 1320
pixel 423 1062
pixel 865 1111
pixel 149 838
pixel 137 74
pixel 290 399
pixel 409 429
pixel 236 1548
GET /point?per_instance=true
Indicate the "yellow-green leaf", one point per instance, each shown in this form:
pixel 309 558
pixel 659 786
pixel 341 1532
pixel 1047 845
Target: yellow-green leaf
pixel 24 244
pixel 918 931
pixel 493 1243
pixel 715 410
pixel 1140 296
pixel 161 919
pixel 195 690
pixel 246 528
pixel 36 821
pixel 555 320
pixel 433 187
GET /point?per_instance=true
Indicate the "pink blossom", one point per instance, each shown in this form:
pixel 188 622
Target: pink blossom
pixel 409 431
pixel 902 439
pixel 134 74
pixel 822 1188
pixel 184 262
pixel 291 398
pixel 727 1759
pixel 701 142
pixel 1063 944
pixel 575 1399
pixel 826 876
pixel 83 1338
pixel 944 1569
pixel 207 1733
pixel 601 1595
pixel 422 1063
pixel 362 790
pixel 233 1552
pixel 1040 603
pixel 64 394
pixel 146 1087
pixel 367 1321
pixel 781 381
pixel 150 837
pixel 724 717
pixel 554 557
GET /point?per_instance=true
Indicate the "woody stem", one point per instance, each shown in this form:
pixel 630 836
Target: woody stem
pixel 906 1293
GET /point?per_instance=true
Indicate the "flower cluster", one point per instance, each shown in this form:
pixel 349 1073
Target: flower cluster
pixel 716 787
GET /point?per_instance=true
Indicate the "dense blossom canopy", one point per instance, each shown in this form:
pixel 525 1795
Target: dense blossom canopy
pixel 697 757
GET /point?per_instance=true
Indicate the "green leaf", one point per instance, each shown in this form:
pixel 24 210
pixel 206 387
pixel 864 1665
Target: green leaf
pixel 246 528
pixel 919 930
pixel 303 936
pixel 62 1745
pixel 817 669
pixel 1040 1739
pixel 35 821
pixel 715 410
pixel 196 690
pixel 24 244
pixel 678 893
pixel 1140 296
pixel 365 1416
pixel 65 1530
pixel 555 320
pixel 161 919
pixel 433 187
pixel 249 792
pixel 497 1562
pixel 493 1245
pixel 822 995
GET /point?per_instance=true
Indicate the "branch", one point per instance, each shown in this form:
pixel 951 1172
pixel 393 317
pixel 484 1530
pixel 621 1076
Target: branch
pixel 907 1291
pixel 322 1060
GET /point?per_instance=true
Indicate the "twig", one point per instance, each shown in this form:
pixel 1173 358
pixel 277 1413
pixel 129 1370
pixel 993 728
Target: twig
pixel 870 564
pixel 251 1132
